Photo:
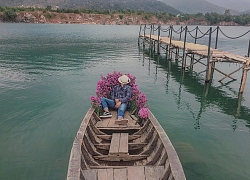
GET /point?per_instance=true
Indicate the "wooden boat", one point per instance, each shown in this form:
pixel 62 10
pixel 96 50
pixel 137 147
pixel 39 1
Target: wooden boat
pixel 104 150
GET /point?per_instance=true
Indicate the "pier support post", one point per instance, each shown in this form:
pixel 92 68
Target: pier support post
pixel 217 36
pixel 195 41
pixel 209 67
pixel 176 54
pixel 170 41
pixel 239 105
pixel 139 35
pixel 184 48
pixel 209 57
pixel 244 76
pixel 184 61
pixel 248 51
pixel 150 37
pixel 180 33
pixel 158 45
pixel 154 45
pixel 144 36
pixel 167 55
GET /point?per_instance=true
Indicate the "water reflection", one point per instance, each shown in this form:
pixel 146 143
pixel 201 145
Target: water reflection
pixel 204 93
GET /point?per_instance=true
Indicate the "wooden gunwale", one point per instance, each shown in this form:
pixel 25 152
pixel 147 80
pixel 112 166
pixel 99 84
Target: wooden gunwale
pixel 75 156
pixel 174 161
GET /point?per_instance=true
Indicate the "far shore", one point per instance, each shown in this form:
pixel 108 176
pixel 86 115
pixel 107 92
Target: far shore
pixel 39 17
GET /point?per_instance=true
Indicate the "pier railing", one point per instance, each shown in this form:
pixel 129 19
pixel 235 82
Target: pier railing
pixel 185 39
pixel 184 30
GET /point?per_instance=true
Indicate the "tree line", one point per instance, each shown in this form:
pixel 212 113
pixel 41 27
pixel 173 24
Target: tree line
pixel 9 14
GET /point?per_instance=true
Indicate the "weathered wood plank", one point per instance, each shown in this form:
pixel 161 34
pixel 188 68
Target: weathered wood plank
pixel 120 174
pixel 120 128
pixel 143 128
pixel 103 123
pixel 153 173
pixel 105 174
pixel 74 164
pixel 120 157
pixel 114 145
pixel 108 137
pixel 149 173
pixel 90 174
pixel 95 129
pixel 123 145
pixel 96 117
pixel 131 146
pixel 136 172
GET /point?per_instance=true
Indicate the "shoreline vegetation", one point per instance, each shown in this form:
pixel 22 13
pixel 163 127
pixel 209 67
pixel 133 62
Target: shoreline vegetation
pixel 124 17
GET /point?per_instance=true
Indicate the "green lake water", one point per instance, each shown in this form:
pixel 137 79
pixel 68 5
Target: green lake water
pixel 49 72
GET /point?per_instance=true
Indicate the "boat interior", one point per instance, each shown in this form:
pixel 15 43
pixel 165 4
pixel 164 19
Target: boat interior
pixel 130 149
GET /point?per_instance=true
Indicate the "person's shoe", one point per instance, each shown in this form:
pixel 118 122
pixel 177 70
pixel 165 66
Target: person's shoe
pixel 106 115
pixel 121 121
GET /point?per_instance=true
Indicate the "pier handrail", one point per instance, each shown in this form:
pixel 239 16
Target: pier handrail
pixel 170 29
pixel 181 29
pixel 206 33
pixel 192 29
pixel 233 37
pixel 176 31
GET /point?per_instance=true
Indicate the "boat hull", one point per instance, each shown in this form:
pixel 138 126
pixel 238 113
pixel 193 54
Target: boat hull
pixel 103 149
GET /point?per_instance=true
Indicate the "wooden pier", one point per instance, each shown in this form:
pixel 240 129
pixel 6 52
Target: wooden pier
pixel 196 52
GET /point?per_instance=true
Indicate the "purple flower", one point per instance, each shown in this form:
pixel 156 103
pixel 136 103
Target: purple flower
pixel 143 113
pixel 92 98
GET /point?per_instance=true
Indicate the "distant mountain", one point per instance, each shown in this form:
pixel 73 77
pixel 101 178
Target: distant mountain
pixel 239 5
pixel 195 6
pixel 145 5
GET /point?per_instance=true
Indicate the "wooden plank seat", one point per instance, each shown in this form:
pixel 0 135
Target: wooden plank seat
pixel 118 149
pixel 119 144
pixel 120 157
pixel 131 146
pixel 108 137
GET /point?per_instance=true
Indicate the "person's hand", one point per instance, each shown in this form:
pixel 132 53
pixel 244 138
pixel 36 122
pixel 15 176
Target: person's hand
pixel 117 105
pixel 116 101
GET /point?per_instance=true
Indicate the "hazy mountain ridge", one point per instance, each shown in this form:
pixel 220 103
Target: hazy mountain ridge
pixel 196 6
pixel 238 5
pixel 170 6
pixel 145 5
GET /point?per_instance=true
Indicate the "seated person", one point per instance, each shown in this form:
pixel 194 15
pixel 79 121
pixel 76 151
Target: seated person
pixel 119 99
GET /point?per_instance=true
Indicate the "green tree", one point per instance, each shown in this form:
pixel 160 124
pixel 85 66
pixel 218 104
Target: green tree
pixel 48 8
pixel 9 15
pixel 227 12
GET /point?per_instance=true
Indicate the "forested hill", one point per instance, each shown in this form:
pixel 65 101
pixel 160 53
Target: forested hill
pixel 144 5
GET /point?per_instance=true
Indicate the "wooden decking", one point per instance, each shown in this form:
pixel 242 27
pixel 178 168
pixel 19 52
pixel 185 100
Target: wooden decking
pixel 125 173
pixel 199 49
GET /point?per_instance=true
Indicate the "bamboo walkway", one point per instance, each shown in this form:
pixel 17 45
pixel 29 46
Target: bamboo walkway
pixel 197 52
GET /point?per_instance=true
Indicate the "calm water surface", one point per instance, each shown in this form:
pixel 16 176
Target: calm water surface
pixel 48 73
